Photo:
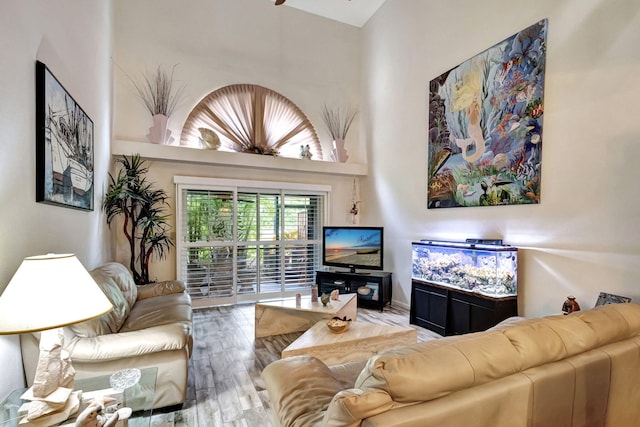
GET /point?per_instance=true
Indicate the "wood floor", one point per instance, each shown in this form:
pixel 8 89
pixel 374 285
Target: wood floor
pixel 225 387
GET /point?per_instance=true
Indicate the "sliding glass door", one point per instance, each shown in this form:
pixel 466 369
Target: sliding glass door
pixel 243 243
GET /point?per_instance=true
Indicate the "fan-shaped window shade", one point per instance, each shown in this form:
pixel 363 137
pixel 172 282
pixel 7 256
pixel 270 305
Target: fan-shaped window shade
pixel 251 119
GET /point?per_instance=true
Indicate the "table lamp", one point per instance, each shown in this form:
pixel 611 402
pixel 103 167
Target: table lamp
pixel 46 293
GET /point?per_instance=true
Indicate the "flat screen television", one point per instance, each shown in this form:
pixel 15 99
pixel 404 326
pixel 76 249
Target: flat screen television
pixel 353 247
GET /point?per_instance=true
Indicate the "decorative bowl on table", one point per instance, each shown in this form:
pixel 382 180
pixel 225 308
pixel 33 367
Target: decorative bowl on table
pixel 338 325
pixel 364 290
pixel 122 380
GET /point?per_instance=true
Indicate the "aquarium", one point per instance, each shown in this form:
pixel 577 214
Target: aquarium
pixel 486 269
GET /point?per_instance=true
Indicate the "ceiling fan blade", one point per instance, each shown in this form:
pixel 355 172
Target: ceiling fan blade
pixel 279 2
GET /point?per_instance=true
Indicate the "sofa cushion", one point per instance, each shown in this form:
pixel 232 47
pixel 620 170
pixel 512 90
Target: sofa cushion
pixel 576 335
pixel 536 343
pixel 612 322
pixel 300 389
pixel 112 321
pixel 123 278
pixel 156 311
pixel 160 288
pixel 445 366
pixel 91 328
pixel 124 345
pixel 630 313
pixel 507 323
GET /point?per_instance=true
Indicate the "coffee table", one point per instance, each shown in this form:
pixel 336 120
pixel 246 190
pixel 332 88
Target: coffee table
pixel 139 398
pixel 358 343
pixel 284 316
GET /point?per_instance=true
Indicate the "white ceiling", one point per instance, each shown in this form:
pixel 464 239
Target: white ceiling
pixel 353 12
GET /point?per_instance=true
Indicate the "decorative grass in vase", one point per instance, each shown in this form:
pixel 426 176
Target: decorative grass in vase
pixel 159 94
pixel 338 121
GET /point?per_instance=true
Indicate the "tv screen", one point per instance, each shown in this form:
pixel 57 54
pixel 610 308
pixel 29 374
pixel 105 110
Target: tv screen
pixel 353 247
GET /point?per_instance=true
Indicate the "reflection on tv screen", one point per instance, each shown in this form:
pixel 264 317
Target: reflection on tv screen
pixel 353 246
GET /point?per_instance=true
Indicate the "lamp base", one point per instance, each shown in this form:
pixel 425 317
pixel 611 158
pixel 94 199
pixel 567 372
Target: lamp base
pixel 52 396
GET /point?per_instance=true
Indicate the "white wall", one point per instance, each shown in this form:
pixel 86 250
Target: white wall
pixel 73 37
pixel 309 59
pixel 583 237
pixel 214 43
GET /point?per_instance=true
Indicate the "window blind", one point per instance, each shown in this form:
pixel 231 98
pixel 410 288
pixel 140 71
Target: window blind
pixel 244 244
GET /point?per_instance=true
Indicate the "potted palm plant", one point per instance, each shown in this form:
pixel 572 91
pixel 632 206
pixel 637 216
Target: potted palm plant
pixel 133 198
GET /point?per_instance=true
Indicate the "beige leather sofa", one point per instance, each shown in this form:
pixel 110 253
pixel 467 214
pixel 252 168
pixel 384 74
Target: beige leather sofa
pixel 150 326
pixel 576 370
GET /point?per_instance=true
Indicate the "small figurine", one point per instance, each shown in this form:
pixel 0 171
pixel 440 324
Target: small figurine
pixel 89 417
pixel 102 412
pixel 305 152
pixel 335 294
pixel 570 305
pixel 325 299
pixel 354 208
pixel 209 139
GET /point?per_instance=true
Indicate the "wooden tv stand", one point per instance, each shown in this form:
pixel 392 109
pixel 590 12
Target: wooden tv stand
pixel 378 282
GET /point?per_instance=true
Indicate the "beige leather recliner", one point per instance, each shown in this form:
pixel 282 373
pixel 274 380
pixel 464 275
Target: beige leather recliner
pixel 150 326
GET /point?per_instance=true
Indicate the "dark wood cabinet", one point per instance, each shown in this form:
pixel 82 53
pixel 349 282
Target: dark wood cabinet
pixel 448 311
pixel 376 286
pixel 429 308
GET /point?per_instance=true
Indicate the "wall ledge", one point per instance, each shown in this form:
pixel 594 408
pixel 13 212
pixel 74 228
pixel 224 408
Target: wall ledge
pixel 188 155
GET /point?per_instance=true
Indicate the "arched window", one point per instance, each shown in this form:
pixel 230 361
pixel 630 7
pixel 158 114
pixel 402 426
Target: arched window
pixel 251 118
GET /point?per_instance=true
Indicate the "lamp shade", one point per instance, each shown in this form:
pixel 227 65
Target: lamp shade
pixel 50 291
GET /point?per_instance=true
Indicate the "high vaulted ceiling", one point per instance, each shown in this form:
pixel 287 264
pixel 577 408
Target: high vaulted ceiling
pixel 353 12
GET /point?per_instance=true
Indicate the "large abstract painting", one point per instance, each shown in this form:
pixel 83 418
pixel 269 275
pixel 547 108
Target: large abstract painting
pixel 64 145
pixel 485 126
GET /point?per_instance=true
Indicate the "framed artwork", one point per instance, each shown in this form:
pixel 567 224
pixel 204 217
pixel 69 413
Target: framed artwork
pixel 605 298
pixel 64 145
pixel 485 126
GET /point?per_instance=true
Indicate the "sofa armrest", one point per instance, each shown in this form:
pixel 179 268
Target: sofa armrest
pixel 169 337
pixel 160 288
pixel 300 389
pixel 349 407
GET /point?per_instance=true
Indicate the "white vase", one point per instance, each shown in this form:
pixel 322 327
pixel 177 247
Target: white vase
pixel 159 132
pixel 338 153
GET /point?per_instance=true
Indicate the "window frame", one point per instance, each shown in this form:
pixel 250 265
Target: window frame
pixel 252 118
